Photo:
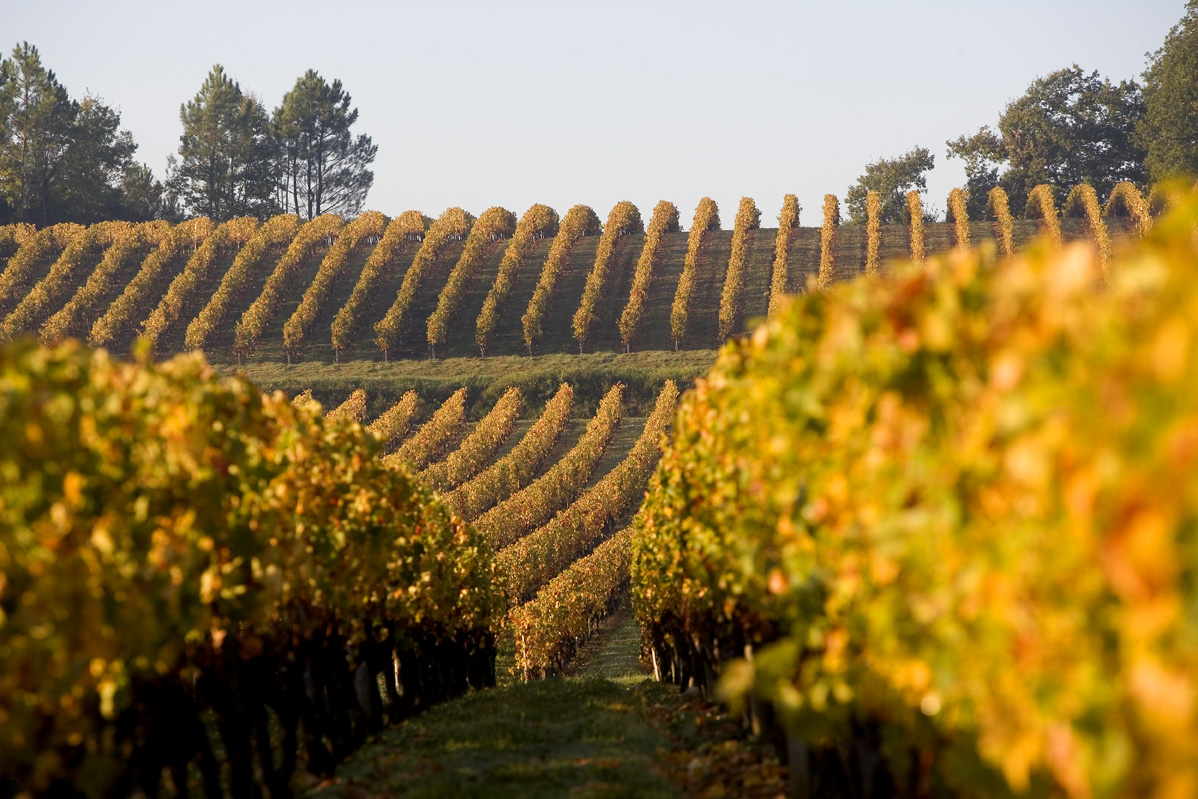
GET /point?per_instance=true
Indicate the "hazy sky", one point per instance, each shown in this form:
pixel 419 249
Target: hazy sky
pixel 486 103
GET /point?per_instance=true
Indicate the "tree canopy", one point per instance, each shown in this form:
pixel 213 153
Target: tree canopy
pixel 1169 130
pixel 1070 127
pixel 62 159
pixel 891 178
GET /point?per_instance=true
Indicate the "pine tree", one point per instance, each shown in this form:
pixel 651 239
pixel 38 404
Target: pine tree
pixel 325 169
pixel 227 165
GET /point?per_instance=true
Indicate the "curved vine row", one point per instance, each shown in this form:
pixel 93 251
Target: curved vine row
pixel 1127 198
pixel 184 287
pixel 451 225
pixel 269 301
pixel 827 242
pixel 1083 198
pixel 664 220
pixel 538 222
pixel 873 231
pixel 732 298
pixel 12 237
pixel 532 561
pixel 957 198
pixel 579 221
pixel 118 323
pixel 77 316
pixel 1040 205
pixel 83 251
pixel 34 250
pixel 393 424
pixel 479 448
pixel 707 217
pixel 298 329
pixel 915 212
pixel 1000 207
pixel 623 220
pixel 435 437
pixel 407 227
pixel 788 225
pixel 531 506
pixel 508 474
pixel 549 628
pixel 493 224
pixel 353 409
pixel 277 231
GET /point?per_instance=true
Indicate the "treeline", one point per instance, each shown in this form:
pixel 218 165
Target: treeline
pixel 64 159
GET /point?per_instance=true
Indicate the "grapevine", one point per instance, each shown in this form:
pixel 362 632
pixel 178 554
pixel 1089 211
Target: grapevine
pixel 580 221
pixel 827 240
pixel 707 217
pixel 407 227
pixel 664 220
pixel 1084 198
pixel 623 220
pixel 1001 208
pixel 184 288
pixel 538 222
pixel 79 313
pixel 959 216
pixel 1040 205
pixel 353 409
pixel 549 628
pixel 507 475
pixel 83 251
pixel 732 298
pixel 435 437
pixel 495 223
pixel 278 231
pixel 34 250
pixel 269 302
pixel 452 224
pixel 119 321
pixel 1126 198
pixel 873 231
pixel 915 211
pixel 298 329
pixel 534 504
pixel 189 549
pixel 479 448
pixel 986 452
pixel 393 424
pixel 532 561
pixel 12 237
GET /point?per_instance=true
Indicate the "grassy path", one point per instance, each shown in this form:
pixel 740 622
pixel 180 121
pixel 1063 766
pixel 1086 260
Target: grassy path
pixel 607 732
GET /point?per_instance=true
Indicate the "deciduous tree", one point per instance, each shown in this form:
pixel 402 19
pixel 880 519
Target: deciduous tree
pixel 1169 129
pixel 1070 127
pixel 891 178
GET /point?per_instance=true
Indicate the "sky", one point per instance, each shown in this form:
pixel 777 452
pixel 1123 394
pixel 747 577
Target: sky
pixel 477 104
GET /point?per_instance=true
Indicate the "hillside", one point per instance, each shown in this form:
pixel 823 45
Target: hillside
pixel 849 252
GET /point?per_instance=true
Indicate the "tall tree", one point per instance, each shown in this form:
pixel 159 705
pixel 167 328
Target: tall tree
pixel 891 178
pixel 1068 128
pixel 62 160
pixel 325 169
pixel 37 130
pixel 227 156
pixel 1169 130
